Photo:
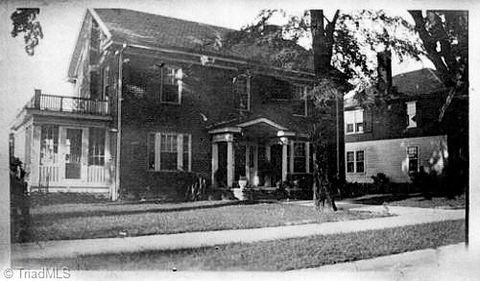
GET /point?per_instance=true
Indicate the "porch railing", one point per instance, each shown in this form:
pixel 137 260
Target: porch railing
pixel 68 104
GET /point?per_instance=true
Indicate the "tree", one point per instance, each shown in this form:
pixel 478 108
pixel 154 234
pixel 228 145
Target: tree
pixel 341 46
pixel 24 20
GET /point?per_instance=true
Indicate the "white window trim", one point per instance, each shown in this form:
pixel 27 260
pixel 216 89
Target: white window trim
pixel 177 80
pixel 355 162
pixel 411 123
pixel 355 122
pixel 418 159
pixel 157 151
pixel 249 96
pixel 307 157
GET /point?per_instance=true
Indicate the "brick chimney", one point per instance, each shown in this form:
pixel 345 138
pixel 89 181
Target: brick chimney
pixel 384 68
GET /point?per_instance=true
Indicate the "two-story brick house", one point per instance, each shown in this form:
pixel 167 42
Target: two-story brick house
pixel 153 104
pixel 403 134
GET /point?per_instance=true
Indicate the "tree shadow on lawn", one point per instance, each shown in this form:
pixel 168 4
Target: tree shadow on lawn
pixel 380 199
pixel 159 209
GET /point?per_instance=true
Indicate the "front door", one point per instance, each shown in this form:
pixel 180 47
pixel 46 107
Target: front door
pixel 73 154
pixel 276 160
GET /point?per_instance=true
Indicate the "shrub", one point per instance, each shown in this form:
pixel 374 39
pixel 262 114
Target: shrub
pixel 381 183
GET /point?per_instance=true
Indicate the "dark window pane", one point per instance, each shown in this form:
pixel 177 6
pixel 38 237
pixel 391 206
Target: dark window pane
pixel 168 161
pixel 350 156
pixel 359 127
pixel 349 128
pixel 170 93
pixel 360 167
pixel 151 151
pixel 360 155
pixel 350 167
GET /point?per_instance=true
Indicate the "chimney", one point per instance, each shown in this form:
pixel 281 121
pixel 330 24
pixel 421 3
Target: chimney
pixel 384 69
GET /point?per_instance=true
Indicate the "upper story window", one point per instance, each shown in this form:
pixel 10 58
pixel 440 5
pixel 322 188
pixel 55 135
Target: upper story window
pixel 354 121
pixel 105 82
pixel 171 85
pixel 241 90
pixel 299 157
pixel 301 100
pixel 411 114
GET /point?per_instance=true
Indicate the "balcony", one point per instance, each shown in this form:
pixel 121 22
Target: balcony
pixel 56 103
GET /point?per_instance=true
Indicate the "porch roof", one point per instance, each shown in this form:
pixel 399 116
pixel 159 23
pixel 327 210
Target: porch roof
pixel 258 126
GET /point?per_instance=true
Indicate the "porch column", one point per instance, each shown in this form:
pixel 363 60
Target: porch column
pixel 214 161
pixel 108 156
pixel 84 162
pixel 255 165
pixel 230 161
pixel 247 161
pixel 284 161
pixel 292 154
pixel 307 158
pixel 35 156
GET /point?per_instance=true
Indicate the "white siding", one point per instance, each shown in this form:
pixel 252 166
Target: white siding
pixel 390 157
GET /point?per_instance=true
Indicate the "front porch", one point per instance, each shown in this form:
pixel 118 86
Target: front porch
pixel 64 143
pixel 261 151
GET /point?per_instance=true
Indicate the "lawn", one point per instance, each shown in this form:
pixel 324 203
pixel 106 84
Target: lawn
pixel 411 200
pixel 435 202
pixel 275 255
pixel 82 221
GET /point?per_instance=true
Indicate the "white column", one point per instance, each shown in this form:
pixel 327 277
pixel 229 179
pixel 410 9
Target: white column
pixel 62 150
pixel 284 161
pixel 307 158
pixel 230 162
pixel 247 161
pixel 35 156
pixel 292 153
pixel 214 161
pixel 108 159
pixel 255 164
pixel 84 161
pixel 180 164
pixel 267 151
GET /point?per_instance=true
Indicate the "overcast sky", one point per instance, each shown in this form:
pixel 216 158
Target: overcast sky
pixel 61 21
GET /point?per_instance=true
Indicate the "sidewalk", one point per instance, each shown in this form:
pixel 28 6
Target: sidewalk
pixel 72 248
pixel 452 262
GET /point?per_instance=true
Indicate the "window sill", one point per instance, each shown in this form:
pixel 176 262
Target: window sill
pixel 299 115
pixel 355 133
pixel 170 103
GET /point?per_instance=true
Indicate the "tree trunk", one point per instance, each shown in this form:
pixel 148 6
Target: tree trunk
pixel 324 137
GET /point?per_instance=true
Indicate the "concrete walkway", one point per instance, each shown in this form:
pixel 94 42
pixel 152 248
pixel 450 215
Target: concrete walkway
pixel 452 262
pixel 72 248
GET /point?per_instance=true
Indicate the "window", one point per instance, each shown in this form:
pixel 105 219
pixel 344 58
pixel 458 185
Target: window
pixel 171 88
pixel 169 152
pixel 241 90
pixel 301 100
pixel 411 114
pixel 355 161
pixel 354 121
pixel 105 83
pixel 299 157
pixel 49 144
pixel 96 147
pixel 412 154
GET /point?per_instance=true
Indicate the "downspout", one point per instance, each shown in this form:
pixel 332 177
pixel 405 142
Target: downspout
pixel 119 122
pixel 338 137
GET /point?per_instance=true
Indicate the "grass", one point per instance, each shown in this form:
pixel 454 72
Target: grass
pixel 82 221
pixel 276 255
pixel 435 202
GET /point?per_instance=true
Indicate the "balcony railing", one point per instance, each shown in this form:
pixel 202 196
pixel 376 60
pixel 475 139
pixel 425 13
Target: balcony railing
pixel 68 104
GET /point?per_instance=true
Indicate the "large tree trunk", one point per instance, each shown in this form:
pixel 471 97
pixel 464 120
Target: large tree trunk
pixel 326 136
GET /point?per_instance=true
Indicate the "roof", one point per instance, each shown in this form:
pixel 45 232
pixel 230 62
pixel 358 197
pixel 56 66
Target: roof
pixel 411 84
pixel 152 30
